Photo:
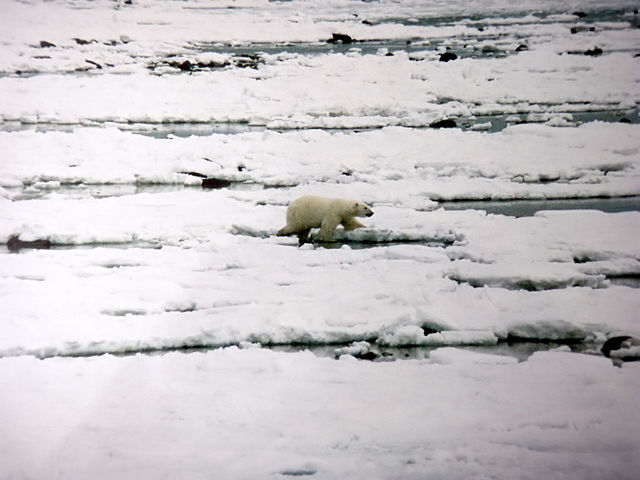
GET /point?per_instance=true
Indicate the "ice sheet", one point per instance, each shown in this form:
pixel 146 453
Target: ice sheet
pixel 112 113
pixel 254 413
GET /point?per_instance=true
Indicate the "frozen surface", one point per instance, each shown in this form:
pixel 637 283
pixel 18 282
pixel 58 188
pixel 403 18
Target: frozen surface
pixel 257 414
pixel 412 166
pixel 211 283
pixel 127 65
pixel 111 116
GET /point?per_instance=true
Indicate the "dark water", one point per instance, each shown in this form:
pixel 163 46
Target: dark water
pixel 489 123
pixel 513 208
pixel 527 208
pixel 519 349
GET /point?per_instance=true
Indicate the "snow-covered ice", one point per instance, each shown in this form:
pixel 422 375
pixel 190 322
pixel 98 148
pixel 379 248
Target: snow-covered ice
pixel 113 112
pixel 258 414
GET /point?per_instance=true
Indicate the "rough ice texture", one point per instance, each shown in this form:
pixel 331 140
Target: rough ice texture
pixel 144 260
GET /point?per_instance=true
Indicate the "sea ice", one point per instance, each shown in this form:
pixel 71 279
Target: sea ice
pixel 148 339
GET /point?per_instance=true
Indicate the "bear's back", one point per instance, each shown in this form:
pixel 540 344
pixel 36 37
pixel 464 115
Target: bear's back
pixel 309 210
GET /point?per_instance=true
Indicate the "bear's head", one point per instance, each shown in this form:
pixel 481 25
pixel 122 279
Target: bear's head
pixel 361 210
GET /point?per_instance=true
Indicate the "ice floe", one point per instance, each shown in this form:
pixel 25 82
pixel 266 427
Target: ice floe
pixel 152 323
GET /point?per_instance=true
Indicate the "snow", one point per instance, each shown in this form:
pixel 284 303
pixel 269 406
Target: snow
pixel 289 91
pixel 255 413
pixel 598 160
pixel 168 332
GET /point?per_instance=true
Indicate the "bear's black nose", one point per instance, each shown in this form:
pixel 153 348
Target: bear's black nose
pixel 370 213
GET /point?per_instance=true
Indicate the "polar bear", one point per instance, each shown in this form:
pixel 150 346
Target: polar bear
pixel 311 211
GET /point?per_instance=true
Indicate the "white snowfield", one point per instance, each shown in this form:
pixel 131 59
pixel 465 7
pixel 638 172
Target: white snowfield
pixel 247 414
pixel 210 282
pixel 123 52
pixel 166 332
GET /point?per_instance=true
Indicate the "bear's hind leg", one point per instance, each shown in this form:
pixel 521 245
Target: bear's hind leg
pixel 285 231
pixel 303 237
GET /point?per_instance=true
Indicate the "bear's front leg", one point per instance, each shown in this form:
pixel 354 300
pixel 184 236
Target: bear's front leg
pixel 351 224
pixel 327 227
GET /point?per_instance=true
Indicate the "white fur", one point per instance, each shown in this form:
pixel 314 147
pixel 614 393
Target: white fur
pixel 310 212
